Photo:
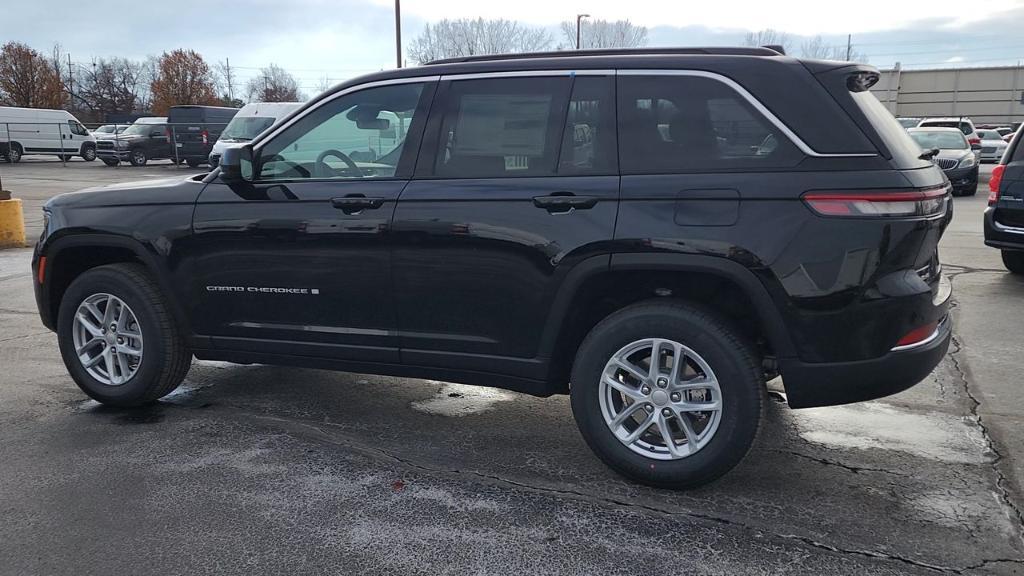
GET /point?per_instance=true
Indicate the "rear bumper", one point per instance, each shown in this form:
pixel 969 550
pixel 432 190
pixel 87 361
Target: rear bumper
pixel 833 383
pixel 1001 236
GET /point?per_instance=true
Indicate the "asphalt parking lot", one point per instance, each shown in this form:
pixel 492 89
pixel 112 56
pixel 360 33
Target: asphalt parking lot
pixel 257 469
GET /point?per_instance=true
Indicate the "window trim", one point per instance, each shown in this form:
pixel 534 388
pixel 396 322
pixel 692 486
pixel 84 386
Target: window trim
pixel 436 78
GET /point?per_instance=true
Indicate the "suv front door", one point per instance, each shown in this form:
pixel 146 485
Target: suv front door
pixel 517 184
pixel 298 261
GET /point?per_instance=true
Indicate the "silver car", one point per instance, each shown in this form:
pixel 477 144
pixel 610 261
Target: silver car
pixel 992 145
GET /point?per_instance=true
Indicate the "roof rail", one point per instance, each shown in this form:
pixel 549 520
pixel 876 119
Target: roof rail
pixel 720 50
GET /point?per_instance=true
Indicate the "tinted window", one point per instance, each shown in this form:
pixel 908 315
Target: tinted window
pixel 77 128
pixel 359 135
pixel 588 142
pixel 905 152
pixel 687 124
pixel 502 127
pixel 928 139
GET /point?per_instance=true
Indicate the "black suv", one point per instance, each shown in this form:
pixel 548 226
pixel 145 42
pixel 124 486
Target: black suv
pixel 137 144
pixel 1004 217
pixel 196 128
pixel 654 232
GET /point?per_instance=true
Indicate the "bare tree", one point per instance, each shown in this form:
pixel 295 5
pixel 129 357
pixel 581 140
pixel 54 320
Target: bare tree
pixel 819 49
pixel 323 84
pixel 603 34
pixel 226 79
pixel 769 36
pixel 468 37
pixel 274 84
pixel 110 86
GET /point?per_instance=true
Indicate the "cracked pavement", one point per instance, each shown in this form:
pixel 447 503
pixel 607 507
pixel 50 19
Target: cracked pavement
pixel 258 469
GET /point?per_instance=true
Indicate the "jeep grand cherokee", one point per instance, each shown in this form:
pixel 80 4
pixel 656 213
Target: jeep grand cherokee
pixel 654 232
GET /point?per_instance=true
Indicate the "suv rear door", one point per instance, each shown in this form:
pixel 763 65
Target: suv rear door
pixel 516 184
pixel 1009 209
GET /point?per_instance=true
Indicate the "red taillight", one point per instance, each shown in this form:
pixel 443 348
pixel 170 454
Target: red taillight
pixel 41 275
pixel 902 203
pixel 993 183
pixel 206 136
pixel 974 140
pixel 918 335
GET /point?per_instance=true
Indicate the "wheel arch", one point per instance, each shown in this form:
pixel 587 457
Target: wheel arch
pixel 578 304
pixel 71 256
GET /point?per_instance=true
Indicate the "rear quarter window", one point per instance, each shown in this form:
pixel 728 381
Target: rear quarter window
pixel 905 152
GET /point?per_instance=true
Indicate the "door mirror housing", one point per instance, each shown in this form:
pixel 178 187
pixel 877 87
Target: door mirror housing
pixel 236 164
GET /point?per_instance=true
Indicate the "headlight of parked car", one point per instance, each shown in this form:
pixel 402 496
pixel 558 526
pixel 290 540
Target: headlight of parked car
pixel 122 144
pixel 968 161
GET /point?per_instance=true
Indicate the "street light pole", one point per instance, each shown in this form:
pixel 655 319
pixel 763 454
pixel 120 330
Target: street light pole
pixel 578 18
pixel 398 33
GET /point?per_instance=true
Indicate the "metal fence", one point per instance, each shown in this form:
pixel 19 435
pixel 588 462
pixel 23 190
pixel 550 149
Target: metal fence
pixel 67 139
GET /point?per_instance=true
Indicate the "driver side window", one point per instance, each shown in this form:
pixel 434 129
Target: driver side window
pixel 359 135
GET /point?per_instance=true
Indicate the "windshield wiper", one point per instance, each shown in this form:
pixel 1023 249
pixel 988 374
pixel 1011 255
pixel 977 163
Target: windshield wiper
pixel 929 154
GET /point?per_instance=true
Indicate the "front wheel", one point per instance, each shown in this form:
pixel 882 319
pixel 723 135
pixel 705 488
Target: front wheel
pixel 138 157
pixel 88 153
pixel 667 394
pixel 1014 261
pixel 117 337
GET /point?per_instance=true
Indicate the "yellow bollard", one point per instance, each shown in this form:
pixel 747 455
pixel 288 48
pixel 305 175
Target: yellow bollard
pixel 12 224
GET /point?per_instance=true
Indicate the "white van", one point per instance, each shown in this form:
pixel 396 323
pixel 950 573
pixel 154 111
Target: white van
pixel 37 131
pixel 249 122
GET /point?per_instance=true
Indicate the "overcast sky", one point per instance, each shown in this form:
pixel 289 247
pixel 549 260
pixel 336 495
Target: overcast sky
pixel 344 38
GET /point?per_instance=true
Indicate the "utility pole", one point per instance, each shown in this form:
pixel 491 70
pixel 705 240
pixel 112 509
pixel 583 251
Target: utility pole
pixel 227 78
pixel 849 46
pixel 579 17
pixel 398 33
pixel 71 83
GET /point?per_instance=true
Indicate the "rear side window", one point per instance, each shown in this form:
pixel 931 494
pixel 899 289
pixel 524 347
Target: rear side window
pixel 502 127
pixel 692 124
pixel 588 141
pixel 905 152
pixel 963 126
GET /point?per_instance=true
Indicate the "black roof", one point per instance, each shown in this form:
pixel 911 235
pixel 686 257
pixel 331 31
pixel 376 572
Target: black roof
pixel 722 51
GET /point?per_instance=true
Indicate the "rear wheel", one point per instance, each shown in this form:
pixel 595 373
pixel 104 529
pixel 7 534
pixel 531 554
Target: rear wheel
pixel 118 339
pixel 192 163
pixel 138 157
pixel 1014 261
pixel 667 394
pixel 14 153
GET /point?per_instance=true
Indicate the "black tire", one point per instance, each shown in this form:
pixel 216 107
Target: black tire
pixel 88 153
pixel 1014 261
pixel 166 357
pixel 14 153
pixel 110 161
pixel 65 157
pixel 970 191
pixel 193 163
pixel 138 157
pixel 730 357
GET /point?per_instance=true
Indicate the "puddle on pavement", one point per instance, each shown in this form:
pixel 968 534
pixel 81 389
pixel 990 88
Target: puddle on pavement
pixel 462 400
pixel 932 435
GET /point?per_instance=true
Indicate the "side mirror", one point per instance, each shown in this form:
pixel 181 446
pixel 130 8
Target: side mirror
pixel 975 146
pixel 236 164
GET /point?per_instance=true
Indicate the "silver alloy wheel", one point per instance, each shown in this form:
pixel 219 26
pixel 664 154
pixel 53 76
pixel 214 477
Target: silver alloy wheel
pixel 14 154
pixel 138 156
pixel 89 154
pixel 660 399
pixel 107 339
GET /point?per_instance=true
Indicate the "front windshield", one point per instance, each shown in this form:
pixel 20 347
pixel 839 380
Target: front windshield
pixel 989 135
pixel 940 140
pixel 104 129
pixel 908 122
pixel 963 126
pixel 246 128
pixel 137 129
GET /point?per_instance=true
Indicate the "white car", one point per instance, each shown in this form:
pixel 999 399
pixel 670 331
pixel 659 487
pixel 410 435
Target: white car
pixel 248 123
pixel 39 131
pixel 964 124
pixel 992 145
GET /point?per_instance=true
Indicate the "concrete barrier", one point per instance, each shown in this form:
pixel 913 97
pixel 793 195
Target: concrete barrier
pixel 12 224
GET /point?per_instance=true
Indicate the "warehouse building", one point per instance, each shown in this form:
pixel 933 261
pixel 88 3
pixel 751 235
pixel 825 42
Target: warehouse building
pixel 993 95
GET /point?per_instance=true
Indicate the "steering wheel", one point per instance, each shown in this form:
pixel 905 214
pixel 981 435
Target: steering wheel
pixel 321 168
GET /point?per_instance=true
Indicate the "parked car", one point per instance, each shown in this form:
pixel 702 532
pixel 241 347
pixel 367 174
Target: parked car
pixel 146 139
pixel 657 277
pixel 909 122
pixel 39 131
pixel 1004 217
pixel 194 129
pixel 249 122
pixel 963 124
pixel 992 145
pixel 1006 132
pixel 955 156
pixel 101 131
